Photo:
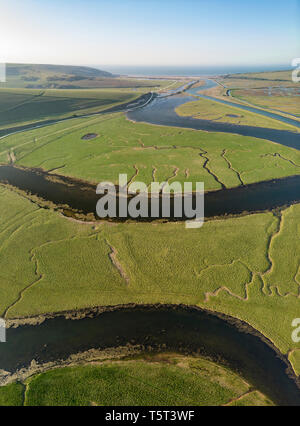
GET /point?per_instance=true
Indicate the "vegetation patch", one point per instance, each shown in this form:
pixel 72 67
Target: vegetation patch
pixel 161 380
pixel 279 102
pixel 12 395
pixel 259 80
pixel 52 264
pixel 206 109
pixel 217 159
pixel 268 90
pixel 23 106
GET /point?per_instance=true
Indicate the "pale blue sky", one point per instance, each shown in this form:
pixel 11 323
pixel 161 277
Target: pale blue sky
pixel 150 32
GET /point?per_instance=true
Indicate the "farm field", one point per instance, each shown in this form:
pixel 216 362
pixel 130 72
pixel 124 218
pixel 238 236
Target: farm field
pixel 258 80
pixel 209 110
pixel 275 91
pixel 159 380
pixel 280 76
pixel 278 102
pixel 35 76
pixel 24 106
pixel 146 152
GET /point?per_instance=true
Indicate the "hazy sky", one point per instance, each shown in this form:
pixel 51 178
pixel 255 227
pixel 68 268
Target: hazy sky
pixel 150 32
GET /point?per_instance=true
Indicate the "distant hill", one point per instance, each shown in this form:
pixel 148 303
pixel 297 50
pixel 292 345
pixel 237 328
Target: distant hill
pixel 36 76
pixel 26 69
pixel 54 76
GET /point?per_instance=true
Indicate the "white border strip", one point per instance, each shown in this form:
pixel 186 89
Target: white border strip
pixel 2 331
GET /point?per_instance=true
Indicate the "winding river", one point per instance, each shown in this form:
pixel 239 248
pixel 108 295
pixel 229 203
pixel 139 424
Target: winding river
pixel 180 329
pixel 81 197
pixel 196 91
pixel 161 111
pixel 167 328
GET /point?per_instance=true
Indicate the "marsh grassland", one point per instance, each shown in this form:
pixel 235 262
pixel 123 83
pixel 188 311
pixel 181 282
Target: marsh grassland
pixel 246 267
pixel 210 110
pixel 146 153
pixel 162 380
pixel 232 266
pixel 274 91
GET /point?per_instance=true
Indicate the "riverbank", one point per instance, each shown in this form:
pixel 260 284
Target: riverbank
pixel 246 284
pixel 188 329
pixel 213 110
pixel 78 199
pixel 151 379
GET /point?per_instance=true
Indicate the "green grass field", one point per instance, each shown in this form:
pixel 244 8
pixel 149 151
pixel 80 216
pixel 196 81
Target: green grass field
pixel 289 104
pixel 209 110
pixel 279 76
pixel 52 264
pixel 259 80
pixel 162 380
pixel 146 152
pixel 12 395
pixel 267 90
pixel 24 106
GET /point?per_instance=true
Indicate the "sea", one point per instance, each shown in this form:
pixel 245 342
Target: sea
pixel 189 71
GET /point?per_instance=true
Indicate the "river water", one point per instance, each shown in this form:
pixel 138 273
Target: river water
pixel 196 91
pixel 82 198
pixel 179 329
pixel 162 112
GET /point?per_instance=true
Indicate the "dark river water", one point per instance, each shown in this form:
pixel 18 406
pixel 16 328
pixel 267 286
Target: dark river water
pixel 82 197
pixel 181 329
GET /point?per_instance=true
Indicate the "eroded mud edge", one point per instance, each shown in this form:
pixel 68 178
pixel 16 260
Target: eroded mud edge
pixel 242 326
